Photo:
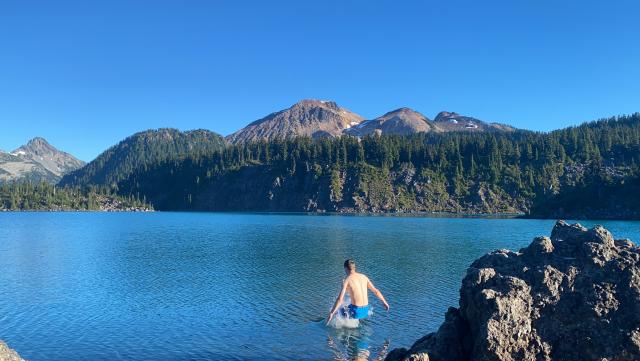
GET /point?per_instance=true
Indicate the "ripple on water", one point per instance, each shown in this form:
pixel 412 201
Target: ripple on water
pixel 202 286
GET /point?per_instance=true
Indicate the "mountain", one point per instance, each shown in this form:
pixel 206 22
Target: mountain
pixel 451 122
pixel 401 121
pixel 55 161
pixel 317 118
pixel 143 149
pixel 36 161
pixel 457 171
pixel 313 118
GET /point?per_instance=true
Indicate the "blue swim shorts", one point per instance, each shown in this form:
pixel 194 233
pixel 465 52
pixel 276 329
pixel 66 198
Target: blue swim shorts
pixel 356 312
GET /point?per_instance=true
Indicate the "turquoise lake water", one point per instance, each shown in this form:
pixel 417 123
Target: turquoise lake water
pixel 220 286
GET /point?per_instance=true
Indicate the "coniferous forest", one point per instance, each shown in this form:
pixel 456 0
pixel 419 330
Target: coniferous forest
pixel 48 197
pixel 591 170
pixel 534 173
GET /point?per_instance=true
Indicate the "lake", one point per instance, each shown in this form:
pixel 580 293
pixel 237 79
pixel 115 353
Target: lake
pixel 226 286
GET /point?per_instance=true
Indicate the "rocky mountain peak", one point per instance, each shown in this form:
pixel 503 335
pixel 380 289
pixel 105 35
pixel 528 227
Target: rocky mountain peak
pixel 453 122
pixel 37 160
pixel 37 146
pixel 446 116
pixel 314 103
pixel 405 113
pixel 400 121
pixel 308 117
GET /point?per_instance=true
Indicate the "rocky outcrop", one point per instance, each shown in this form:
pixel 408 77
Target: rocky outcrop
pixel 573 296
pixel 7 354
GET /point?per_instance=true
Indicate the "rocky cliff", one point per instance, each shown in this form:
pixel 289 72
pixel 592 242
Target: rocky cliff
pixel 7 354
pixel 573 296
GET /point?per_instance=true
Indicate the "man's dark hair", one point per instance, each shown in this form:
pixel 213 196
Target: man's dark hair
pixel 350 264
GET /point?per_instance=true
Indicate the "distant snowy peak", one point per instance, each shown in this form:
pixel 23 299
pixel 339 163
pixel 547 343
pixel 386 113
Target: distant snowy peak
pixel 451 121
pixel 35 161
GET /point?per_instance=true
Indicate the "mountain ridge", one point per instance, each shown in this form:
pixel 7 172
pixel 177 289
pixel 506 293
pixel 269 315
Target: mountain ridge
pixel 325 118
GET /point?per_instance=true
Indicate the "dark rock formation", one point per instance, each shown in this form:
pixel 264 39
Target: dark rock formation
pixel 574 296
pixel 7 354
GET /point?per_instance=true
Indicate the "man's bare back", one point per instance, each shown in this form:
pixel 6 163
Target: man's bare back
pixel 357 286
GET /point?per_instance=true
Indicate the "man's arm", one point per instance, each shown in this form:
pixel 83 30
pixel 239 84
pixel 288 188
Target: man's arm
pixel 338 301
pixel 378 294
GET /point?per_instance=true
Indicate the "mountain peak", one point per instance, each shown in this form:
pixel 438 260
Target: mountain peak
pixel 308 103
pixel 38 160
pixel 308 117
pixel 445 116
pixel 38 140
pixel 452 121
pixel 400 121
pixel 404 111
pixel 37 145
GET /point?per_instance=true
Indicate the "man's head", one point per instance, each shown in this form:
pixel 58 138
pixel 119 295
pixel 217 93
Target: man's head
pixel 349 266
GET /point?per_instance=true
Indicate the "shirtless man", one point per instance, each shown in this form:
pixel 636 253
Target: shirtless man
pixel 356 284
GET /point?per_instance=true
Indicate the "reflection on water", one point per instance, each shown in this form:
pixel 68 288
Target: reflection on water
pixel 355 343
pixel 215 286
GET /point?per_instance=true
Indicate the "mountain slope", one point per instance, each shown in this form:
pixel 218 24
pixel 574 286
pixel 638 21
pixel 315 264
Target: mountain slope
pixel 401 121
pixel 143 149
pixel 313 118
pixel 452 122
pixel 36 161
pixel 457 171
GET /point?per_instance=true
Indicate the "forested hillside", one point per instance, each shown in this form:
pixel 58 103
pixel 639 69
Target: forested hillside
pixel 452 172
pixel 142 149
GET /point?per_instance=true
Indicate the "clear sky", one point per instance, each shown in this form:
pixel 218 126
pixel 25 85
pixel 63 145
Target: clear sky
pixel 86 74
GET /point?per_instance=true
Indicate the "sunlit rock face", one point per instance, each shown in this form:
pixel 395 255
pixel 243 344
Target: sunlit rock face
pixel 312 118
pixel 572 296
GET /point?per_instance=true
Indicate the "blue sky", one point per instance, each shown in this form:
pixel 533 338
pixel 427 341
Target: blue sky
pixel 86 74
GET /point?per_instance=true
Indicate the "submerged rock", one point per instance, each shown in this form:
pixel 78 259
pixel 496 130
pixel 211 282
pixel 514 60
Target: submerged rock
pixel 572 296
pixel 7 354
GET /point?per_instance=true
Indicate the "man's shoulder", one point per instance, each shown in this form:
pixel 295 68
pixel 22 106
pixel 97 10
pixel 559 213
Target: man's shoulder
pixel 363 276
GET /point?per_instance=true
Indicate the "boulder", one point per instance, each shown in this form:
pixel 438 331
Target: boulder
pixel 572 296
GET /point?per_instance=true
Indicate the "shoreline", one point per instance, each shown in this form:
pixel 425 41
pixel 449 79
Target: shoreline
pixel 451 215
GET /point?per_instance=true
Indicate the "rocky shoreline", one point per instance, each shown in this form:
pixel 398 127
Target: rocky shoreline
pixel 8 354
pixel 572 296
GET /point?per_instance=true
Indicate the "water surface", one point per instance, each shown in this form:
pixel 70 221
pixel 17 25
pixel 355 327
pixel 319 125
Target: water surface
pixel 202 286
